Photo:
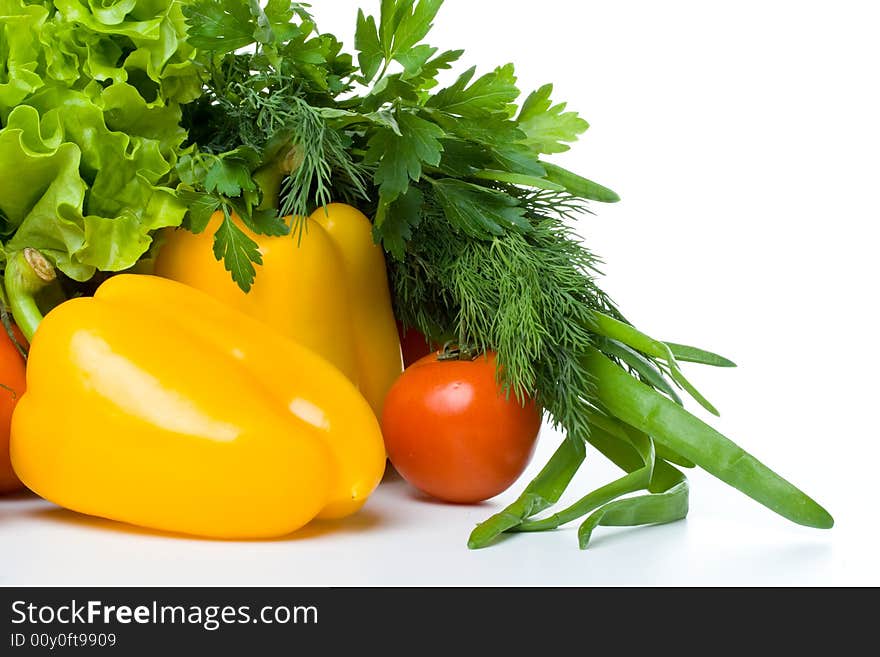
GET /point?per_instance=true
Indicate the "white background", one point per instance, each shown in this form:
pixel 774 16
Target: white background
pixel 743 139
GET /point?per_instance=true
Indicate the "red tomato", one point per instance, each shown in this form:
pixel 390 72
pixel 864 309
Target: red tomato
pixel 11 388
pixel 451 432
pixel 413 344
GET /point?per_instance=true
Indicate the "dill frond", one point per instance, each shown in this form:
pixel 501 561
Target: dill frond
pixel 528 295
pixel 271 114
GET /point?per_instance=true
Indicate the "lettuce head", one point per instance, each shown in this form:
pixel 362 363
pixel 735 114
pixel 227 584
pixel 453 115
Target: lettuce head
pixel 90 109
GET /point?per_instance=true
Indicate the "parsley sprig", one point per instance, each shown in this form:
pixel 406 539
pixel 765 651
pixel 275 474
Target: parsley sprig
pixel 290 122
pixel 262 149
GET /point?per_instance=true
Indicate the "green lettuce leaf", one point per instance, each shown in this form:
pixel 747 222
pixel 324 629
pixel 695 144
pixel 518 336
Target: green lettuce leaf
pixel 19 51
pixel 74 55
pixel 82 229
pixel 156 29
pixel 90 95
pixel 46 169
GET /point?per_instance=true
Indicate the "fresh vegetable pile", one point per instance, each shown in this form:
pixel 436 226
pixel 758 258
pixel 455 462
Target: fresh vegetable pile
pixel 232 146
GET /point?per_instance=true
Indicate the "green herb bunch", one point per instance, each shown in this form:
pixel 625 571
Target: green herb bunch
pixel 477 224
pixel 473 219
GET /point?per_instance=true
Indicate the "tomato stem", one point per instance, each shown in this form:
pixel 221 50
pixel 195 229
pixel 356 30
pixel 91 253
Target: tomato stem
pixel 452 351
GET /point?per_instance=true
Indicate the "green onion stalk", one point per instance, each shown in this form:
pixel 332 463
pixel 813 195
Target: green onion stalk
pixel 633 425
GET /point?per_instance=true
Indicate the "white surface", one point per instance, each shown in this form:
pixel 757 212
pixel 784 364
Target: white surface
pixel 744 141
pixel 401 538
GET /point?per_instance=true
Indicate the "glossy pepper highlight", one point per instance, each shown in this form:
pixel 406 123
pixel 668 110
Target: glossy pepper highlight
pixel 328 291
pixel 153 404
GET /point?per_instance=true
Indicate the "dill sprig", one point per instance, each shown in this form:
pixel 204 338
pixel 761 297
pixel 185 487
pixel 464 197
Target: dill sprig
pixel 528 295
pixel 325 171
pixel 270 114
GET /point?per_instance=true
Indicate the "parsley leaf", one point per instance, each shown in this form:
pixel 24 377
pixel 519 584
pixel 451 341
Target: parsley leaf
pixel 201 207
pixel 400 157
pixel 238 252
pixel 493 93
pixel 426 77
pixel 546 125
pixel 262 222
pixel 275 24
pixel 518 158
pixel 229 177
pixel 415 59
pixel 340 118
pixel 391 89
pixel 477 211
pixel 366 41
pixel 500 139
pixel 462 158
pixel 399 220
pixel 263 32
pixel 402 25
pixel 219 25
pixel 413 22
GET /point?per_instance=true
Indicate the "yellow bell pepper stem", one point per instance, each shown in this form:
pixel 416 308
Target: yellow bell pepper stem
pixel 28 274
pixel 270 176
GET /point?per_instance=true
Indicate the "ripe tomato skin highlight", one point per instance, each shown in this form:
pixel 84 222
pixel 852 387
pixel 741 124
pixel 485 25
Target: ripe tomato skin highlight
pixel 451 432
pixel 12 376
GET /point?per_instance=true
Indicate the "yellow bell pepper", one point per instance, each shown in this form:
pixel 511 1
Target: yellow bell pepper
pixel 328 292
pixel 153 404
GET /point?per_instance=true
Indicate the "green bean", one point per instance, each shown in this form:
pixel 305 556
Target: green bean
pixel 621 452
pixel 668 506
pixel 616 449
pixel 623 432
pixel 647 410
pixel 665 477
pixel 518 179
pixel 607 423
pixel 578 185
pixel 687 354
pixel 630 483
pixel 680 379
pixel 609 327
pixel 669 503
pixel 667 454
pixel 543 492
pixel 656 348
pixel 638 479
pixel 633 454
pixel 646 370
